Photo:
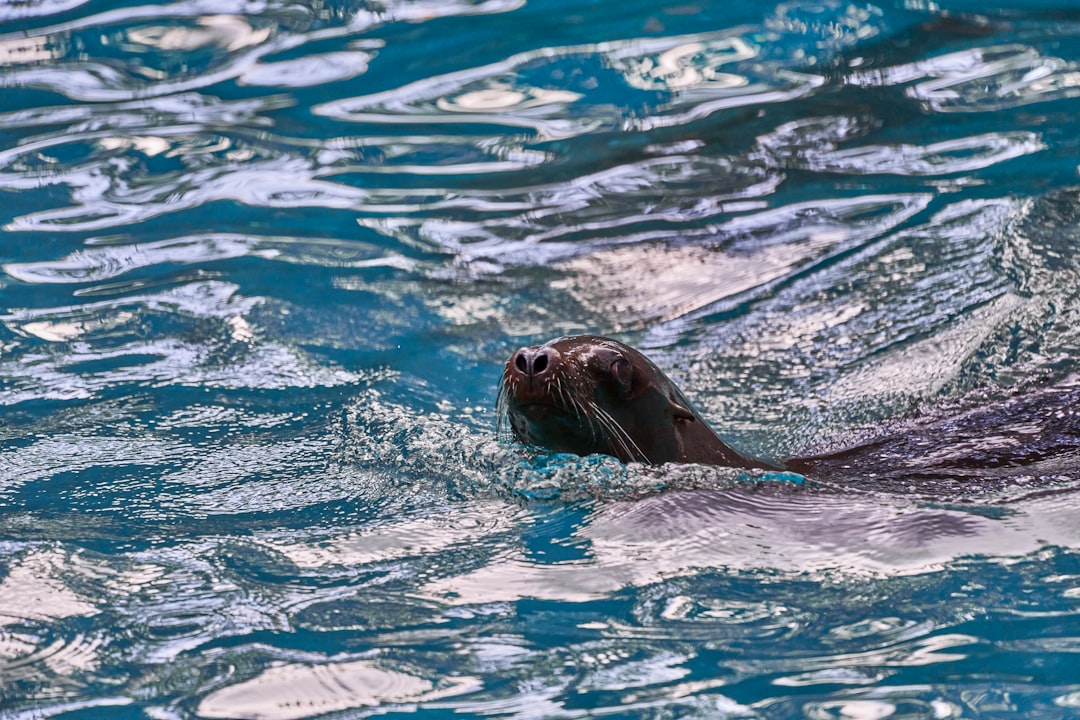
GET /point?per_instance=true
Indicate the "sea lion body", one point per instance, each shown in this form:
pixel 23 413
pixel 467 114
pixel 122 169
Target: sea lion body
pixel 586 394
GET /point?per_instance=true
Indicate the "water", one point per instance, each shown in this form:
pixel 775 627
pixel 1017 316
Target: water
pixel 262 263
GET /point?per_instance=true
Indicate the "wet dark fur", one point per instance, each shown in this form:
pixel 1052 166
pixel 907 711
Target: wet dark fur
pixel 597 395
pixel 586 401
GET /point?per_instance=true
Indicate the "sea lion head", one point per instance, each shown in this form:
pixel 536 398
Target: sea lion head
pixel 586 394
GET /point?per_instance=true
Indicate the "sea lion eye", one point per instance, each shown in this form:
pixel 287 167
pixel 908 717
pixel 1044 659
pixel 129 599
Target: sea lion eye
pixel 622 371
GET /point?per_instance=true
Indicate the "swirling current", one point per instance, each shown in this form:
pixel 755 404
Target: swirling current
pixel 261 262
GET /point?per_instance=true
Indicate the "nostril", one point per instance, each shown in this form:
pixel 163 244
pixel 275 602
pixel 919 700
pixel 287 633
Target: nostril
pixel 540 362
pixel 532 362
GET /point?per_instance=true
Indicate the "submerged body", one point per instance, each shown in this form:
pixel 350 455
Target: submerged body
pixel 587 394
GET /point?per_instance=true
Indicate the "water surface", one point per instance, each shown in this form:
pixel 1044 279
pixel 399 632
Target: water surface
pixel 260 266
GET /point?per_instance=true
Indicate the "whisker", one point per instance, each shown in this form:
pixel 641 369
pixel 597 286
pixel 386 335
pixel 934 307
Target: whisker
pixel 578 408
pixel 610 428
pixel 502 407
pixel 611 435
pixel 625 441
pixel 561 395
pixel 615 436
pixel 574 405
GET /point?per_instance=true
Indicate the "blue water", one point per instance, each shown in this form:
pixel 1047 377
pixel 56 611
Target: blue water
pixel 261 264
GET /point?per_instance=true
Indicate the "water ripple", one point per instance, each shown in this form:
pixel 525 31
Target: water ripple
pixel 310 70
pixel 77 369
pixel 291 691
pixel 684 69
pixel 668 535
pixel 606 207
pixel 792 340
pixel 38 573
pixel 73 454
pixel 142 174
pixel 412 538
pixel 985 79
pixel 696 273
pixel 108 200
pixel 159 363
pixel 942 158
pixel 160 112
pixel 232 42
pixel 114 259
pixel 38 9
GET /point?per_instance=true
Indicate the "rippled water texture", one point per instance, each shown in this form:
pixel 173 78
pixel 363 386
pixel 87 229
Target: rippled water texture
pixel 260 266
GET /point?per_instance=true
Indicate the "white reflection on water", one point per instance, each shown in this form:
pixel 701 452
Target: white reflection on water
pixel 18 51
pixel 171 110
pixel 984 79
pixel 100 82
pixel 114 186
pixel 34 589
pixel 498 93
pixel 308 70
pixel 556 221
pixel 231 32
pixel 292 691
pixel 413 537
pixel 414 11
pixel 736 257
pixel 927 366
pixel 163 360
pixel 657 538
pixel 203 299
pixel 690 65
pixel 240 37
pixel 284 182
pixel 67 453
pixel 112 259
pixel 159 363
pixel 17 11
pixel 943 158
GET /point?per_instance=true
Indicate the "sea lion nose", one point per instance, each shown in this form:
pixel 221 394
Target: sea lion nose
pixel 533 362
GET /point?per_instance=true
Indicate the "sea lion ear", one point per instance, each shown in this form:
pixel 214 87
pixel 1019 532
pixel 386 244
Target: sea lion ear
pixel 680 412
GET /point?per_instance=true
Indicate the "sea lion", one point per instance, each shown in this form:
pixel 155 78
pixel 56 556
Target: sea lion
pixel 586 394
